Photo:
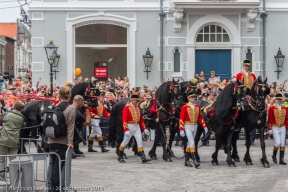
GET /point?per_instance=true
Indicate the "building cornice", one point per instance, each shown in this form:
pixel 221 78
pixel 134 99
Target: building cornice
pixel 217 5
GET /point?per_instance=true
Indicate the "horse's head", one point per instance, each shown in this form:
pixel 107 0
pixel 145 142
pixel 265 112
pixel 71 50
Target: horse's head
pixel 259 91
pixel 241 92
pixel 175 93
pixel 91 95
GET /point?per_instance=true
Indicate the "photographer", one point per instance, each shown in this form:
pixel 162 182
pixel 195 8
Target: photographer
pixel 80 120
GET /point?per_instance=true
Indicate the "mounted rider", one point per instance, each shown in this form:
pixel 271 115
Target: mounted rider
pixel 133 123
pixel 246 75
pixel 189 116
pixel 277 125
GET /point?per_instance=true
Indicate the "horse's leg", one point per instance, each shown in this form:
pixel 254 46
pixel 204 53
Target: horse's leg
pixel 229 160
pixel 235 156
pixel 264 157
pixel 169 146
pixel 247 157
pixel 163 140
pixel 152 152
pixel 196 140
pixel 217 147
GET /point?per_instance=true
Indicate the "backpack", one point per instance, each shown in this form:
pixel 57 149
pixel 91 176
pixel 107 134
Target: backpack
pixel 54 123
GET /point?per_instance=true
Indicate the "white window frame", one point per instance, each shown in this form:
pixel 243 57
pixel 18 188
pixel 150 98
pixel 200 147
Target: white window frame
pixel 177 74
pixel 216 33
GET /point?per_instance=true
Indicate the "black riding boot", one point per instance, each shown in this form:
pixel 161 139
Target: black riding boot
pixel 90 146
pixel 103 149
pixel 143 157
pixel 274 155
pixel 196 164
pixel 187 163
pixel 281 161
pixel 120 157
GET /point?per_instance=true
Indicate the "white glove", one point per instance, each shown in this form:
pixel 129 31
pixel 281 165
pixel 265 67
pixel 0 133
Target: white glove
pixel 182 133
pixel 146 132
pixel 206 130
pixel 127 134
pixel 270 132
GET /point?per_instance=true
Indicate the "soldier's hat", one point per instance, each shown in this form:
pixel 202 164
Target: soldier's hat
pixel 278 96
pixel 134 96
pixel 102 93
pixel 205 94
pixel 191 93
pixel 247 62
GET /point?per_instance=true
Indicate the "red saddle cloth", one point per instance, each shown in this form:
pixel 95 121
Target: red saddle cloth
pixel 153 109
pixel 211 112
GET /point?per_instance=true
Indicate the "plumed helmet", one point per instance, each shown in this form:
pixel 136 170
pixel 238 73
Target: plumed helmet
pixel 247 62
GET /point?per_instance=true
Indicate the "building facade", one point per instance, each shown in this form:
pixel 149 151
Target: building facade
pixel 199 35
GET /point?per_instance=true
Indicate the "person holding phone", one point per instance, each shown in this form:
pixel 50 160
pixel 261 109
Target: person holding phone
pixel 245 75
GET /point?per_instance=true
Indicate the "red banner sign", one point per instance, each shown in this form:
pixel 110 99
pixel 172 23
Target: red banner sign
pixel 100 72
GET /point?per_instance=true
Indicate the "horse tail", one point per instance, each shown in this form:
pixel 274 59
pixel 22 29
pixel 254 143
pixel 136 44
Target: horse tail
pixel 112 129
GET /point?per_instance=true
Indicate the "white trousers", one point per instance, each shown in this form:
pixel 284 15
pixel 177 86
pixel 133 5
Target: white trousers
pixel 135 131
pixel 279 135
pixel 95 129
pixel 190 131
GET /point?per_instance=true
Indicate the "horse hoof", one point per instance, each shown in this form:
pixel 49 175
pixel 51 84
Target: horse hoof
pixel 198 160
pixel 266 165
pixel 172 155
pixel 153 158
pixel 232 165
pixel 249 163
pixel 236 159
pixel 125 157
pixel 214 163
pixel 168 160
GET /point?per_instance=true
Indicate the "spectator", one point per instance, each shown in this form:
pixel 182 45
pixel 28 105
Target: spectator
pixel 119 82
pixel 213 79
pixel 12 124
pixel 110 82
pixel 201 76
pixel 59 145
pixel 126 83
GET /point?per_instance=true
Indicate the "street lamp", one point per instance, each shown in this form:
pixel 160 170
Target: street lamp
pixel 279 58
pixel 148 58
pixel 52 57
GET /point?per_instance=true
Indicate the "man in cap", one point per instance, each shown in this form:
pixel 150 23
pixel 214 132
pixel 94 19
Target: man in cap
pixel 96 114
pixel 133 123
pixel 190 115
pixel 246 75
pixel 277 125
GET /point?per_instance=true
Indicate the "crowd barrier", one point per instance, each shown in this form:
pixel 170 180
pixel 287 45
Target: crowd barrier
pixel 23 171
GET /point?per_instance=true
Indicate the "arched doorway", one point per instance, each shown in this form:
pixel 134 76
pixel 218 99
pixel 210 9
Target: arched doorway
pixel 217 60
pixel 101 43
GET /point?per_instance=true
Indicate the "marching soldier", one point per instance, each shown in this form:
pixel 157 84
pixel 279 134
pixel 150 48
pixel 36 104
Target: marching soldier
pixel 246 75
pixel 96 114
pixel 132 119
pixel 189 116
pixel 277 125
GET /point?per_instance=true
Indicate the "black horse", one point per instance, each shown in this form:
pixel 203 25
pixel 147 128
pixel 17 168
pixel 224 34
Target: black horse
pixel 221 116
pixel 255 117
pixel 34 112
pixel 168 98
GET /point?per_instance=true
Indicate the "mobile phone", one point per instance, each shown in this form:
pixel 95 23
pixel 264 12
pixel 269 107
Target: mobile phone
pixel 219 78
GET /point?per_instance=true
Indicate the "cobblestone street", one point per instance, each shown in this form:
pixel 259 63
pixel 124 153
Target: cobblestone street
pixel 102 170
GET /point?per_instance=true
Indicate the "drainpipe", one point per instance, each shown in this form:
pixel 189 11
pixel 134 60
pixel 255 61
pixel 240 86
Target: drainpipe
pixel 264 16
pixel 162 15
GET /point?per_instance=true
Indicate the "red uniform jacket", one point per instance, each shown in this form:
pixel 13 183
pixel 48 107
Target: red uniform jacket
pixel 100 111
pixel 191 116
pixel 132 115
pixel 248 80
pixel 277 118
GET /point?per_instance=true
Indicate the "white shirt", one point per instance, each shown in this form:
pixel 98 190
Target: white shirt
pixel 279 107
pixel 247 73
pixel 192 105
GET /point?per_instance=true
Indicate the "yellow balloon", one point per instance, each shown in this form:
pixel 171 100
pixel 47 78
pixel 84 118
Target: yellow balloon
pixel 66 84
pixel 77 71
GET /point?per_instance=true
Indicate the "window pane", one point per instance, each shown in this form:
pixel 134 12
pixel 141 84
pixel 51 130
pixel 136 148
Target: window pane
pixel 206 38
pixel 86 57
pixel 219 29
pixel 101 34
pixel 219 38
pixel 176 61
pixel 206 29
pixel 199 38
pixel 212 37
pixel 212 28
pixel 224 31
pixel 201 31
pixel 226 38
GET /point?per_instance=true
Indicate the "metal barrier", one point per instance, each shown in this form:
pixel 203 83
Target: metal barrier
pixel 17 183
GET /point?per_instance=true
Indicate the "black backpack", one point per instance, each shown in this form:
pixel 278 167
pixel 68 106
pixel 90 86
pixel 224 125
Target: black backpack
pixel 54 123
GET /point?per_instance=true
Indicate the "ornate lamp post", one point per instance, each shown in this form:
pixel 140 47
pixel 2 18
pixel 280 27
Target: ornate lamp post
pixel 279 58
pixel 148 58
pixel 53 60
